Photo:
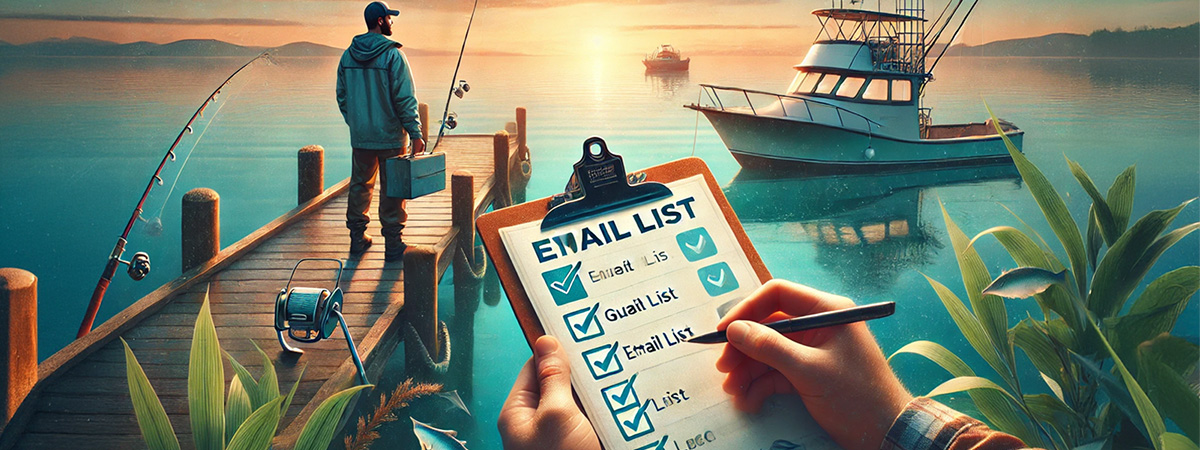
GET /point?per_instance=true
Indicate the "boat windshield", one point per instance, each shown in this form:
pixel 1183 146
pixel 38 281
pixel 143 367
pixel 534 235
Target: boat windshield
pixel 804 82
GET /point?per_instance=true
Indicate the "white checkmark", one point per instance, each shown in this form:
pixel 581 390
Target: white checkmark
pixel 720 281
pixel 570 280
pixel 696 248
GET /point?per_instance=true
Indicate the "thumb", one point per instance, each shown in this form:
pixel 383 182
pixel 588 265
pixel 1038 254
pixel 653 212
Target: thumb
pixel 553 373
pixel 765 345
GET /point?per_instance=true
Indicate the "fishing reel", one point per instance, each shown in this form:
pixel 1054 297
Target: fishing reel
pixel 462 88
pixel 451 120
pixel 310 314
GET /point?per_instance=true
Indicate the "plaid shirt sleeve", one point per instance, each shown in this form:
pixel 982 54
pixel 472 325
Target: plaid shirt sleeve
pixel 928 425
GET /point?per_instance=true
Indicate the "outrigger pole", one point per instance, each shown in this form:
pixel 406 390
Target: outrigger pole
pixel 139 265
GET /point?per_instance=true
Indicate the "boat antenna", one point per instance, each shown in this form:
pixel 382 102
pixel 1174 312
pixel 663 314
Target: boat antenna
pixel 960 25
pixel 938 35
pixel 456 87
pixel 139 265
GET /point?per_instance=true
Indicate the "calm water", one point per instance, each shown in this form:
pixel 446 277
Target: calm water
pixel 81 135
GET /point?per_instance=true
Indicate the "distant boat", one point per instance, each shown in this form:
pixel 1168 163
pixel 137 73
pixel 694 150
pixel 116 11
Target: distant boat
pixel 666 59
pixel 855 105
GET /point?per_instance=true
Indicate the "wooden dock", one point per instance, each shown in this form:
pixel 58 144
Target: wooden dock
pixel 81 399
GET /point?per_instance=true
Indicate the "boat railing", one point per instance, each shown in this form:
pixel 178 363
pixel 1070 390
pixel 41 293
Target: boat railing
pixel 786 106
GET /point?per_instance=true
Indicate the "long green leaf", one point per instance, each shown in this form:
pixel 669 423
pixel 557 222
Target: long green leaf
pixel 1094 240
pixel 257 396
pixel 1053 207
pixel 151 417
pixel 1120 198
pixel 1104 216
pixel 939 355
pixel 1155 311
pixel 237 408
pixel 960 384
pixel 1160 246
pixel 318 432
pixel 993 406
pixel 206 384
pixel 1040 350
pixel 970 328
pixel 1065 421
pixel 1150 416
pixel 1118 395
pixel 1123 267
pixel 989 310
pixel 258 429
pixel 287 403
pixel 268 382
pixel 1176 441
pixel 1166 386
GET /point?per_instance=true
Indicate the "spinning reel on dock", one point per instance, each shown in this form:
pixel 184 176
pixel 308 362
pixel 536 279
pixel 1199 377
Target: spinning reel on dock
pixel 310 314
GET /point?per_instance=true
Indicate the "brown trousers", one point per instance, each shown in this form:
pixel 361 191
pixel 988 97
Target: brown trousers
pixel 365 164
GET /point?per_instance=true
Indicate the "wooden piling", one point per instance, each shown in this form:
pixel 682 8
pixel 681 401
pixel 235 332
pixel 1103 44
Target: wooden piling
pixel 421 301
pixel 200 226
pixel 423 113
pixel 521 147
pixel 311 173
pixel 500 153
pixel 466 287
pixel 18 337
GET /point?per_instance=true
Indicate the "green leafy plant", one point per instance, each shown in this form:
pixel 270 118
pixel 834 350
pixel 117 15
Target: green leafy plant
pixel 247 419
pixel 1113 374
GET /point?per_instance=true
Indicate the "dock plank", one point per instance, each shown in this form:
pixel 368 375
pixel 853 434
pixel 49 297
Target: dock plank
pixel 82 396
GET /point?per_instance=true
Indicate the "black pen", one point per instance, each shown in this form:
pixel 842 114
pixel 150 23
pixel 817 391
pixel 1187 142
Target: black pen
pixel 819 320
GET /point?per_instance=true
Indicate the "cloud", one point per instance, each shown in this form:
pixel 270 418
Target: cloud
pixel 147 20
pixel 706 27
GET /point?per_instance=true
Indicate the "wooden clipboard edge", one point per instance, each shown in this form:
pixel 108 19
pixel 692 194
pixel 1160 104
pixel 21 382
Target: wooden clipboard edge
pixel 489 226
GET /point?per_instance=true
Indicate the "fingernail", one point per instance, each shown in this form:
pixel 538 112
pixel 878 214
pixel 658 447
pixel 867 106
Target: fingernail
pixel 737 332
pixel 544 346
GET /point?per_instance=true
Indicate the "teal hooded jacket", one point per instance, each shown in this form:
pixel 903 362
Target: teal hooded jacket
pixel 375 93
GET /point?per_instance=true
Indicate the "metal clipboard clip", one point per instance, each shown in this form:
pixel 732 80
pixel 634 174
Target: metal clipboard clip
pixel 604 185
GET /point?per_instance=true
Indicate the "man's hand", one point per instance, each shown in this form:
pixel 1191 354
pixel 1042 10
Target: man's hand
pixel 839 372
pixel 540 413
pixel 418 146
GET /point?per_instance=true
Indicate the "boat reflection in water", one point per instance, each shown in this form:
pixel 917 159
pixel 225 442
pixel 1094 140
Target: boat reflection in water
pixel 666 84
pixel 867 229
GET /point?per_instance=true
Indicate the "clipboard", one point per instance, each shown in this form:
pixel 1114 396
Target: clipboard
pixel 489 224
pixel 700 262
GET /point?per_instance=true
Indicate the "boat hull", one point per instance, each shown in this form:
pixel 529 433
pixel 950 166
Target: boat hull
pixel 661 65
pixel 772 143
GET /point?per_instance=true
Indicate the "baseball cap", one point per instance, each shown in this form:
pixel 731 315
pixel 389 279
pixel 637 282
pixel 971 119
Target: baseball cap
pixel 376 10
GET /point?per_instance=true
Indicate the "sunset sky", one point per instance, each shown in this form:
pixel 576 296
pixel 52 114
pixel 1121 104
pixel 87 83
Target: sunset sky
pixel 550 27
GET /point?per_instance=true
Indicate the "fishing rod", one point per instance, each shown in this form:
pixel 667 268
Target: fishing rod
pixel 457 87
pixel 139 264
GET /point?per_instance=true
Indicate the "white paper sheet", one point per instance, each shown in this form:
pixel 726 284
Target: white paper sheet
pixel 622 292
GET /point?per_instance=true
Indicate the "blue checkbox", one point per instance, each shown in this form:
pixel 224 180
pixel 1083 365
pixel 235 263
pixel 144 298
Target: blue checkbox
pixel 717 279
pixel 634 422
pixel 696 244
pixel 602 361
pixel 655 445
pixel 621 395
pixel 584 324
pixel 564 284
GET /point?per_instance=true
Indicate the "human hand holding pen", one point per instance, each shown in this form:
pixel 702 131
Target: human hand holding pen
pixel 839 372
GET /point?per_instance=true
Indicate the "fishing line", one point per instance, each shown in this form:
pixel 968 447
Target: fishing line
pixel 454 80
pixel 696 128
pixel 193 149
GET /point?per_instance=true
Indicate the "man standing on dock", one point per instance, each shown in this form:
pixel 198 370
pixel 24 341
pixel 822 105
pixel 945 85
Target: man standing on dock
pixel 376 96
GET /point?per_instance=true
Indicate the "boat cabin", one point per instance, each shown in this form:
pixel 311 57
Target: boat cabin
pixel 871 62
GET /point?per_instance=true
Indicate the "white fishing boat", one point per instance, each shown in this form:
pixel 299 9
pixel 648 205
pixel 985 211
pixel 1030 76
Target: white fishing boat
pixel 855 103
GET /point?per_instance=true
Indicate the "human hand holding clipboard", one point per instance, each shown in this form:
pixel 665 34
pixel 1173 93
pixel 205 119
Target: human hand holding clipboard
pixel 622 277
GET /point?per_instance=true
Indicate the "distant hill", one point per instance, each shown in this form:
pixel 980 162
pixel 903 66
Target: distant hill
pixel 78 46
pixel 1179 42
